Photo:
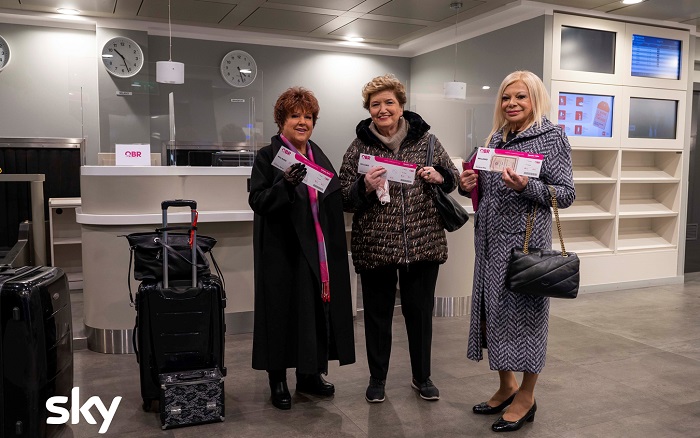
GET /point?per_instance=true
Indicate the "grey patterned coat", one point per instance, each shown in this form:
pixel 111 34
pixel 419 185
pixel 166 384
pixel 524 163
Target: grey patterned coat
pixel 408 229
pixel 516 325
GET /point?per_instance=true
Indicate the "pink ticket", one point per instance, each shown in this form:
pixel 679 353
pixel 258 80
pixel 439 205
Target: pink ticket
pixel 495 160
pixel 316 176
pixel 398 171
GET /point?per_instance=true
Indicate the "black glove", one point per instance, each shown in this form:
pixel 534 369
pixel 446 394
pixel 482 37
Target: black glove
pixel 295 174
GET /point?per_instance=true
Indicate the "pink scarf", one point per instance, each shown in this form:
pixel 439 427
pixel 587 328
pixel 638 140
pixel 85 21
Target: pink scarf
pixel 313 200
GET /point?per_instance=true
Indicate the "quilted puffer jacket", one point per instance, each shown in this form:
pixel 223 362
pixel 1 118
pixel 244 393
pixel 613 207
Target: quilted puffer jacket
pixel 408 229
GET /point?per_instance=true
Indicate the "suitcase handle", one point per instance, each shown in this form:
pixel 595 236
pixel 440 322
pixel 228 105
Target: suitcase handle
pixel 179 203
pixel 193 208
pixel 191 376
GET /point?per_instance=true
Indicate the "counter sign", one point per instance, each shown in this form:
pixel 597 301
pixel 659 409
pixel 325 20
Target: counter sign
pixel 133 154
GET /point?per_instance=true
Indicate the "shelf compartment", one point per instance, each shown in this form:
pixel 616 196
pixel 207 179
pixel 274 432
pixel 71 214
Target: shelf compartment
pixel 651 166
pixel 649 200
pixel 586 236
pixel 593 201
pixel 594 166
pixel 647 233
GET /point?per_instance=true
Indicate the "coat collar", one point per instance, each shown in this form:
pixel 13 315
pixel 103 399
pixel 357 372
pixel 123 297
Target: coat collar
pixel 532 131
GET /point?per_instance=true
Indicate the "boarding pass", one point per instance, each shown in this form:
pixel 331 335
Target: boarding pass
pixel 397 171
pixel 316 176
pixel 495 160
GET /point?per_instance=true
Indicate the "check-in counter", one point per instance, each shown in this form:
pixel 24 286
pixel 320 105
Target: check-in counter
pixel 120 200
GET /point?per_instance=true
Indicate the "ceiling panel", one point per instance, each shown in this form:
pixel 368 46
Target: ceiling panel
pixel 340 5
pixel 662 9
pixel 390 22
pixel 583 4
pixel 102 6
pixel 286 20
pixel 127 8
pixel 377 30
pixel 194 11
pixel 435 10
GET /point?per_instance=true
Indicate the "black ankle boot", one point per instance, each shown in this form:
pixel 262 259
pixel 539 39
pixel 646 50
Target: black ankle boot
pixel 279 392
pixel 314 384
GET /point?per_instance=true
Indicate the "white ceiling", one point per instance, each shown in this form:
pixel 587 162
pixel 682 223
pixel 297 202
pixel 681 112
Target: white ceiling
pixel 390 23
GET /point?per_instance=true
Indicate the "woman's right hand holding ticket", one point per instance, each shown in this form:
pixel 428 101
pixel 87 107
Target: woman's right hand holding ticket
pixel 374 178
pixel 468 180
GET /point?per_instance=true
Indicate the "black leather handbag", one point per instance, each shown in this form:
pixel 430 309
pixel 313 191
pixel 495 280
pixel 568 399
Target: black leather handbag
pixel 543 272
pixel 147 251
pixel 452 213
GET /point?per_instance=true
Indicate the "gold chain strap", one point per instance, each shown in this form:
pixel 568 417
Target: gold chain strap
pixel 531 223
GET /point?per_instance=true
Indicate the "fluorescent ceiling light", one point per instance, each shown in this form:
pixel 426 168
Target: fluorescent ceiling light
pixel 354 39
pixel 68 11
pixel 352 43
pixel 485 87
pixel 631 2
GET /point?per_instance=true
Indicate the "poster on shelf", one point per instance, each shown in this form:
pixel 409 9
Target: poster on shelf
pixel 585 115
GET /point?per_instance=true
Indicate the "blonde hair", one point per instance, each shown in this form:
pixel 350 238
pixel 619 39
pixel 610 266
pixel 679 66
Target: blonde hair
pixel 538 96
pixel 388 82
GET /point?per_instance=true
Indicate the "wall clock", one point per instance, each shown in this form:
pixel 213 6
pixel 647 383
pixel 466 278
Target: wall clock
pixel 238 68
pixel 4 53
pixel 122 57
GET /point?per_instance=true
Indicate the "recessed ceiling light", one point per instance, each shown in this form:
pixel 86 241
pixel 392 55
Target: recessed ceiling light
pixel 631 2
pixel 354 39
pixel 485 87
pixel 352 43
pixel 68 11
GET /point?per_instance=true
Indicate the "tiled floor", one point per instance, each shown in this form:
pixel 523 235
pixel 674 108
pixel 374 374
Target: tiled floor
pixel 620 364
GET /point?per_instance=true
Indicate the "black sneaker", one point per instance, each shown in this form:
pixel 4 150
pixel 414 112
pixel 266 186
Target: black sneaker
pixel 375 391
pixel 426 389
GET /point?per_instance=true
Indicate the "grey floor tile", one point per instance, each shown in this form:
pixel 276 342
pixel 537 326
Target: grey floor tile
pixel 622 363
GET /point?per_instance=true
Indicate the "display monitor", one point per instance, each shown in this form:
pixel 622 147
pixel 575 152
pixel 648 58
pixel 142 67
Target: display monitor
pixel 589 50
pixel 652 118
pixel 655 57
pixel 585 115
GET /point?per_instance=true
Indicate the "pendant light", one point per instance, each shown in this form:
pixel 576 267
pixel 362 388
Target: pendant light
pixel 454 89
pixel 170 72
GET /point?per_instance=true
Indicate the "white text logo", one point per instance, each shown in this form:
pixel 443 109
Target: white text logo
pixel 76 410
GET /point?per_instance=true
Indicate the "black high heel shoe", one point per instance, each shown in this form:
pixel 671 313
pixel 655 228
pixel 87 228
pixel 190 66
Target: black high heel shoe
pixel 502 425
pixel 484 408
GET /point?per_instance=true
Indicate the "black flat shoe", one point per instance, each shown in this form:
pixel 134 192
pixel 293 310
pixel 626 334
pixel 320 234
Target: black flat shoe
pixel 314 384
pixel 281 398
pixel 485 409
pixel 502 425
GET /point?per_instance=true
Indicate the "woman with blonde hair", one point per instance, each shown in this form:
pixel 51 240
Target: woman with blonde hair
pixel 511 326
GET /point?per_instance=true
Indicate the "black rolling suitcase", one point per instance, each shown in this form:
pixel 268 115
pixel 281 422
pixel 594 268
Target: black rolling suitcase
pixel 36 348
pixel 179 324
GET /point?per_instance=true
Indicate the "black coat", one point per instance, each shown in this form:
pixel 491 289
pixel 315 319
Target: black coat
pixel 290 329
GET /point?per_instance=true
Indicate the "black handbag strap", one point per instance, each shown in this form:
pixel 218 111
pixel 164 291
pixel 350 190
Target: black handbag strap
pixel 431 150
pixel 531 223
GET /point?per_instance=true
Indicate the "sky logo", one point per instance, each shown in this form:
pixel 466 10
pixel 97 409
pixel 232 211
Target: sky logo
pixel 76 410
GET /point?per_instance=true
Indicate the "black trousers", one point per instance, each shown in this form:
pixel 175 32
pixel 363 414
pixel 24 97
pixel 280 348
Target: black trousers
pixel 417 286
